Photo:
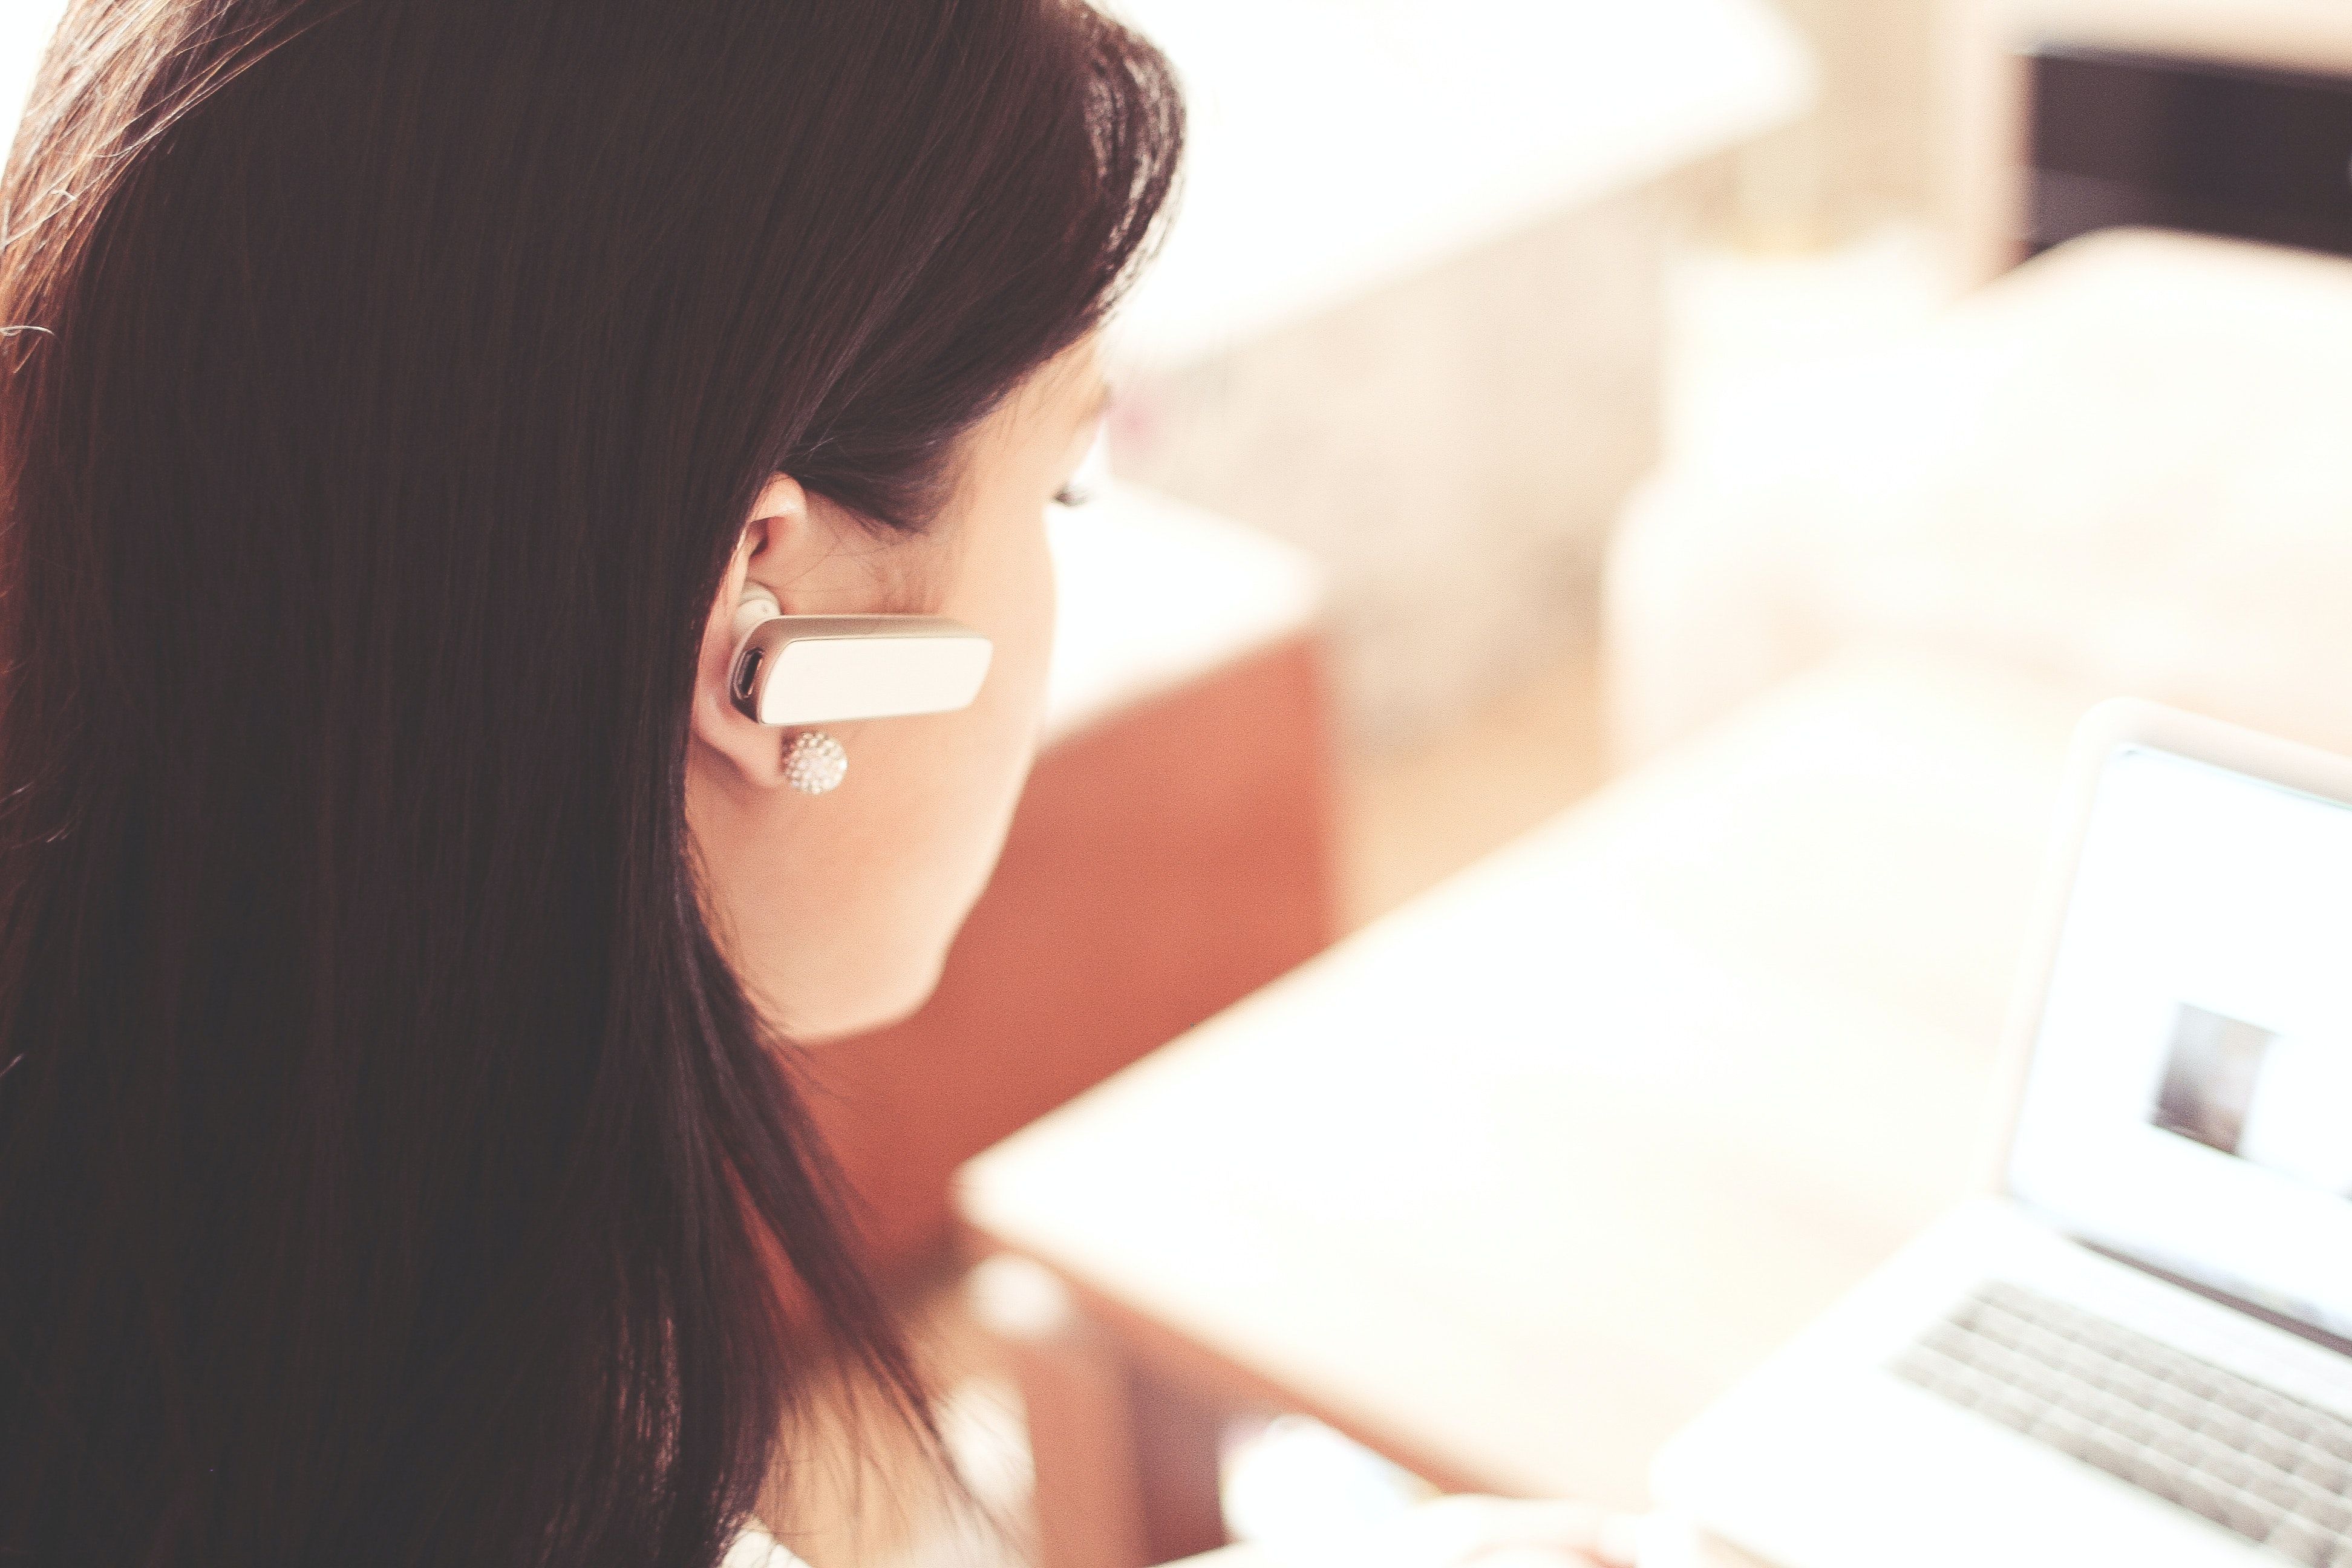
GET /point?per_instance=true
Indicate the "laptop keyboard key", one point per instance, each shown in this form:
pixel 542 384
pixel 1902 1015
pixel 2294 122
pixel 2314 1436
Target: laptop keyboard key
pixel 2109 1454
pixel 2197 1495
pixel 2275 1452
pixel 2300 1541
pixel 2252 1519
pixel 2321 1470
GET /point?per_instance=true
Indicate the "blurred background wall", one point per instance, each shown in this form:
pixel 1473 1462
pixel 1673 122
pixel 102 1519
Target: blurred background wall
pixel 1412 315
pixel 1870 148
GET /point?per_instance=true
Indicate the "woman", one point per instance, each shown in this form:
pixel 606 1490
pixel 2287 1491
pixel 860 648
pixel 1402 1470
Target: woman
pixel 400 925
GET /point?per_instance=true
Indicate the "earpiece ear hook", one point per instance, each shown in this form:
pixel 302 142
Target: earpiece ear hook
pixel 757 604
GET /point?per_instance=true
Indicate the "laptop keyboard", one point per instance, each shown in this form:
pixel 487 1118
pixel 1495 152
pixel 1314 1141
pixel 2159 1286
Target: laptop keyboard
pixel 2261 1463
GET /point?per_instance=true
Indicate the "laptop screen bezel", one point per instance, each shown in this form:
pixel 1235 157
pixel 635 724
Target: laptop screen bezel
pixel 2108 731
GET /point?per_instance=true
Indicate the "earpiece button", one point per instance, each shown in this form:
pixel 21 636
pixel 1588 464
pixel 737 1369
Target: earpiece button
pixel 746 673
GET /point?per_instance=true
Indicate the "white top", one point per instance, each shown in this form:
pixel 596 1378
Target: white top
pixel 755 1548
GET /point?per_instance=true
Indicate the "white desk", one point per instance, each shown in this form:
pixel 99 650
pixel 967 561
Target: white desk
pixel 1513 1183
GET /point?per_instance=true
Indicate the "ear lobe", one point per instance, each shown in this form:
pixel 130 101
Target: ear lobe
pixel 751 753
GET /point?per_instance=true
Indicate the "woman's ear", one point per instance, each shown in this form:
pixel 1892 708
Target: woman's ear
pixel 769 554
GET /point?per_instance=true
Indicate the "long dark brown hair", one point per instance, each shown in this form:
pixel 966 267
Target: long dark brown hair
pixel 390 1169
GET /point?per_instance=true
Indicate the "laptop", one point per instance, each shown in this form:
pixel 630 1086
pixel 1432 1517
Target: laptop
pixel 2138 1349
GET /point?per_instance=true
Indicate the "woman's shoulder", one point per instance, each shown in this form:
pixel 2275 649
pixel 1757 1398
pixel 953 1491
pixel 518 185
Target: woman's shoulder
pixel 755 1548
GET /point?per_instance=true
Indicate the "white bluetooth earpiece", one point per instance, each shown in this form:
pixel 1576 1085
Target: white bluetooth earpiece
pixel 797 670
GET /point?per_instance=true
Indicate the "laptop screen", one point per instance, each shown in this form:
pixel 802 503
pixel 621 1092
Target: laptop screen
pixel 2189 1101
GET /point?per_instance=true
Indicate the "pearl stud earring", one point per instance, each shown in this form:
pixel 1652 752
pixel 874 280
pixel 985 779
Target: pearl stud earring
pixel 815 763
